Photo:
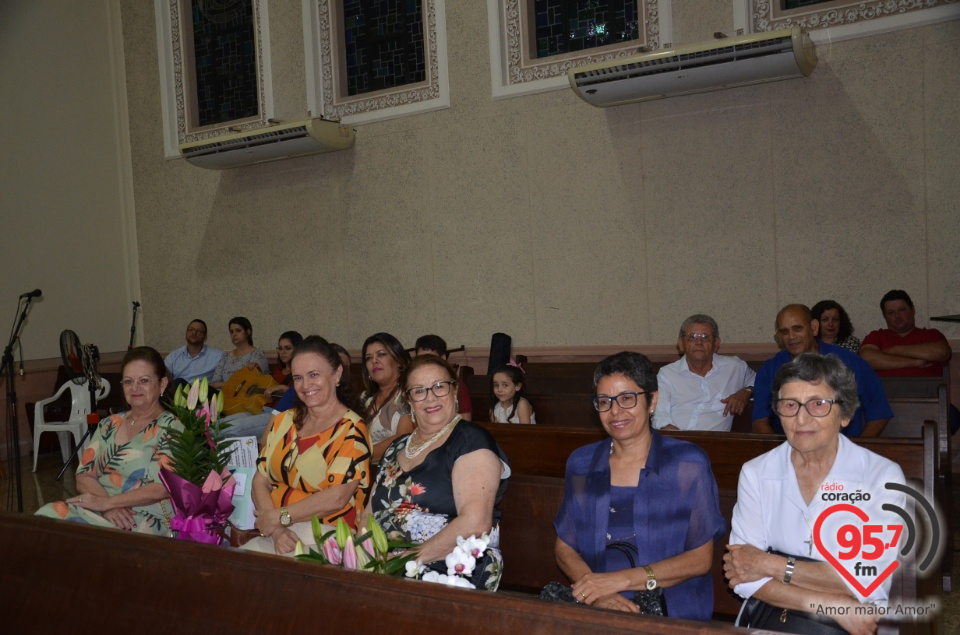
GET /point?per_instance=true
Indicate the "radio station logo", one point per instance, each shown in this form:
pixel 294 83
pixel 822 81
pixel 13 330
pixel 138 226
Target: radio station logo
pixel 864 553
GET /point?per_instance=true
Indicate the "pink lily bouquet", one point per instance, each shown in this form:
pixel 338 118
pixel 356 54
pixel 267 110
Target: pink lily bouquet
pixel 460 563
pixel 369 551
pixel 200 485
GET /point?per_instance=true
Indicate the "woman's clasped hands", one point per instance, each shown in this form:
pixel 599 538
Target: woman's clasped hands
pixel 268 524
pixel 603 590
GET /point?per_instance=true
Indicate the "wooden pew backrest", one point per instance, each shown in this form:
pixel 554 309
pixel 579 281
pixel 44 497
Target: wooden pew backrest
pixel 48 577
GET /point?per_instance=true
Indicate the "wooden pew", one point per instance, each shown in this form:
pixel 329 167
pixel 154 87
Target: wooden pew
pixel 560 402
pixel 538 456
pixel 580 370
pixel 907 411
pixel 65 577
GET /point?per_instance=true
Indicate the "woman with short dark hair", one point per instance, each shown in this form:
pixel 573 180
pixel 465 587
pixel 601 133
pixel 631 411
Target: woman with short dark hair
pixel 640 511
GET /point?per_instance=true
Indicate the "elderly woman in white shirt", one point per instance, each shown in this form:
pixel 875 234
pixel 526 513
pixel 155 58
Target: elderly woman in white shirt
pixel 783 493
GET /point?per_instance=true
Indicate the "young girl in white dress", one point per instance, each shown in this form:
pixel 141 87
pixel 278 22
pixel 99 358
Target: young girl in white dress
pixel 506 393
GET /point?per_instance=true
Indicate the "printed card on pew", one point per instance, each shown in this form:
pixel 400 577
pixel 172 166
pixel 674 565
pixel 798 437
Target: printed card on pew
pixel 243 465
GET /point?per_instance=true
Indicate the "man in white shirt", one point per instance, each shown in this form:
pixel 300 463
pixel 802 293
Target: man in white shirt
pixel 702 390
pixel 196 359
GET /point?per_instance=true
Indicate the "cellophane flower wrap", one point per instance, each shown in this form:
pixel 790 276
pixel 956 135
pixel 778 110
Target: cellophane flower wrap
pixel 200 485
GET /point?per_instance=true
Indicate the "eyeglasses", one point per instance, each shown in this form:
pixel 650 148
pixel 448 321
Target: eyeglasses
pixel 703 337
pixel 439 389
pixel 816 407
pixel 197 331
pixel 143 381
pixel 625 400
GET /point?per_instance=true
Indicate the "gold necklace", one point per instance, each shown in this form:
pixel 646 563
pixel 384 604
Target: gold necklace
pixel 133 421
pixel 418 448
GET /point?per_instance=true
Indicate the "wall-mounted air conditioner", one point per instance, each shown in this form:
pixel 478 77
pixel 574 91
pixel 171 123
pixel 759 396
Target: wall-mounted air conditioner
pixel 282 141
pixel 711 65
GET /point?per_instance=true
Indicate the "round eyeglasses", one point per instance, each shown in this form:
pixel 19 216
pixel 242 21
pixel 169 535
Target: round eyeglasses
pixel 439 389
pixel 625 400
pixel 816 407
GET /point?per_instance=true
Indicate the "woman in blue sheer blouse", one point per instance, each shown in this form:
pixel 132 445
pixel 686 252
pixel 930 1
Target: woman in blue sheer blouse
pixel 654 494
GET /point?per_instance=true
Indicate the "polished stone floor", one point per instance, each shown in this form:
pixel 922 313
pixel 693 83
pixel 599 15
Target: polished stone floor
pixel 42 487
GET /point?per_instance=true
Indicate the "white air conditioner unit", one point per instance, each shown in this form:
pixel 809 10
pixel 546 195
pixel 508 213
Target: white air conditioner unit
pixel 282 141
pixel 711 65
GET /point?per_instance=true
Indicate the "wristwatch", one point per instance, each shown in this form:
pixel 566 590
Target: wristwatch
pixel 651 577
pixel 284 517
pixel 788 575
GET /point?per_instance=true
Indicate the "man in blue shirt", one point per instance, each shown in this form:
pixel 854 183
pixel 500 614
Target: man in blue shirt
pixel 196 359
pixel 797 333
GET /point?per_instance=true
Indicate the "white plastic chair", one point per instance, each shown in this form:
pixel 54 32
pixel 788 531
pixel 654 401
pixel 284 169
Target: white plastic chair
pixel 76 424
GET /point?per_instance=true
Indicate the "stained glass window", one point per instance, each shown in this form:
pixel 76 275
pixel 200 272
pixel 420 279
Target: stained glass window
pixel 796 4
pixel 564 26
pixel 384 42
pixel 225 60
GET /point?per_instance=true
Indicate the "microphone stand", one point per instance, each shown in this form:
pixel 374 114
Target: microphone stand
pixel 7 367
pixel 133 324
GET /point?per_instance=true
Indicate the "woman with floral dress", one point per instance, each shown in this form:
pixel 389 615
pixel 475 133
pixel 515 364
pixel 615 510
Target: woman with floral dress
pixel 444 480
pixel 118 478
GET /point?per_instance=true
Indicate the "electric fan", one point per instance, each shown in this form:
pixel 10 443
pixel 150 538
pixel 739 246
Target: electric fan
pixel 82 366
pixel 81 362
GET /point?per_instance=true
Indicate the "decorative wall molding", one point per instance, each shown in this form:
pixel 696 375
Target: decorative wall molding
pixel 843 19
pixel 322 47
pixel 513 72
pixel 173 76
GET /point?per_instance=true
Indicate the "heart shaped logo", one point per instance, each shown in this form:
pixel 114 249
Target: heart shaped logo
pixel 862 515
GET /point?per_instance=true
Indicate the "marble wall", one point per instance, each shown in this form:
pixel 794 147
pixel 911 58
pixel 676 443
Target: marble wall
pixel 559 223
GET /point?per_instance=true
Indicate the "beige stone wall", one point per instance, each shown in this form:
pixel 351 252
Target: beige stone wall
pixel 66 203
pixel 559 223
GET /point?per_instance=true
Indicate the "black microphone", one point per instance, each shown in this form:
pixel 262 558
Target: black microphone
pixel 36 293
pixel 136 305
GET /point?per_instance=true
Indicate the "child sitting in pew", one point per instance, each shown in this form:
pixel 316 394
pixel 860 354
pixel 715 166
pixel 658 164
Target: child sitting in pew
pixel 506 393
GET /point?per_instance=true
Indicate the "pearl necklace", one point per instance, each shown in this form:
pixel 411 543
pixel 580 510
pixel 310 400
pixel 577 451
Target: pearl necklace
pixel 418 449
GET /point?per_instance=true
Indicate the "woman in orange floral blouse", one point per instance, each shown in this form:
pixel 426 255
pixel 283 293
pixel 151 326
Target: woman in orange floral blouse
pixel 316 460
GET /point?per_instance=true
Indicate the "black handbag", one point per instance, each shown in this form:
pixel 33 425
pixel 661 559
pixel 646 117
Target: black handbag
pixel 759 614
pixel 650 602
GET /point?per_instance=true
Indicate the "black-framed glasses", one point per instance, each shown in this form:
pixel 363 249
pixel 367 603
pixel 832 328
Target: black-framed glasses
pixel 816 407
pixel 625 400
pixel 439 389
